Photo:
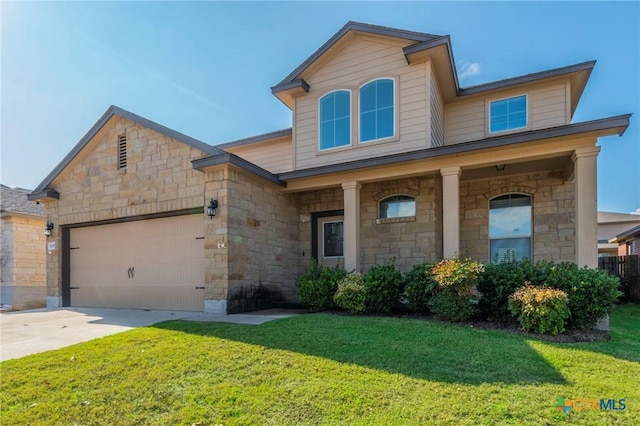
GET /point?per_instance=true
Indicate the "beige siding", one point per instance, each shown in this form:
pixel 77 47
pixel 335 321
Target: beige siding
pixel 360 61
pixel 466 120
pixel 275 155
pixel 437 114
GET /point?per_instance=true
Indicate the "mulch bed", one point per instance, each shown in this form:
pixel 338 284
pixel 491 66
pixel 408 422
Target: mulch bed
pixel 569 336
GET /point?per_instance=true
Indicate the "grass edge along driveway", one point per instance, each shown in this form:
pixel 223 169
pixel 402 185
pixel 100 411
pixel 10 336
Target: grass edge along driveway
pixel 325 369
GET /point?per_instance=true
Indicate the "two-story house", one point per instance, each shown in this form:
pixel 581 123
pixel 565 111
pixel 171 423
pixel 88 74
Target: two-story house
pixel 387 157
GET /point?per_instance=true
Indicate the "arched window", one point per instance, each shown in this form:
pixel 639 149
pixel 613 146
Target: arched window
pixel 377 117
pixel 510 227
pixel 335 119
pixel 397 206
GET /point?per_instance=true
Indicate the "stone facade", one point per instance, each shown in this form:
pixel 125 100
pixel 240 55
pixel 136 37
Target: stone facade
pixel 553 214
pixel 158 178
pixel 410 241
pixel 23 262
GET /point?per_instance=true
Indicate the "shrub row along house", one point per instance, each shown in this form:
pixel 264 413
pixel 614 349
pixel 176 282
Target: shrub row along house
pixel 388 157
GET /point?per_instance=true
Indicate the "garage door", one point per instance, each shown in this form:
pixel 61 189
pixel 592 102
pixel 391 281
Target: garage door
pixel 146 264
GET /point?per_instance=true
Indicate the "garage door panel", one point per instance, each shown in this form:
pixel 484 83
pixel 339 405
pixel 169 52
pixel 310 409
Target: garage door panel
pixel 150 264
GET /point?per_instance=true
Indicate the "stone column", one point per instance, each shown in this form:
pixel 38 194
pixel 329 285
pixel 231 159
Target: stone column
pixel 585 162
pixel 351 225
pixel 450 211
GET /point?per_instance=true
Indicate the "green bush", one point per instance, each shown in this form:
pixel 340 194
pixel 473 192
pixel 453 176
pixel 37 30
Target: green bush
pixel 499 280
pixel 317 286
pixel 456 279
pixel 592 292
pixel 351 293
pixel 419 287
pixel 383 287
pixel 542 310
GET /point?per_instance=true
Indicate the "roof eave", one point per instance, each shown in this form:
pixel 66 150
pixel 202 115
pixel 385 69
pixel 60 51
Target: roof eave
pixel 257 139
pixel 227 158
pixel 605 126
pixel 48 193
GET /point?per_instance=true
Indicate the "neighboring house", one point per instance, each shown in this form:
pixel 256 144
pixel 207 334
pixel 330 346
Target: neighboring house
pixel 611 224
pixel 388 158
pixel 628 242
pixel 23 251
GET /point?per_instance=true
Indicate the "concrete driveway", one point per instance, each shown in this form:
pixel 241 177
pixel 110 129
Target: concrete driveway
pixel 39 330
pixel 29 332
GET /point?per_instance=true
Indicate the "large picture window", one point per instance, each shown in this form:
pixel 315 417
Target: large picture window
pixel 508 114
pixel 377 116
pixel 510 227
pixel 335 119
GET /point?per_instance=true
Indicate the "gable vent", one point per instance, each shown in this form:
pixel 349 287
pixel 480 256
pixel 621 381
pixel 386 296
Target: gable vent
pixel 122 151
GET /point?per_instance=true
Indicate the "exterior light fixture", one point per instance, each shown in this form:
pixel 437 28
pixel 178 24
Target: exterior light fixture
pixel 500 167
pixel 48 229
pixel 211 208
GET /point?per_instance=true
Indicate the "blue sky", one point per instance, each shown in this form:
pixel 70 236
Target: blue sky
pixel 205 68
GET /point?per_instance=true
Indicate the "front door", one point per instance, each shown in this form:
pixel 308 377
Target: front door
pixel 330 232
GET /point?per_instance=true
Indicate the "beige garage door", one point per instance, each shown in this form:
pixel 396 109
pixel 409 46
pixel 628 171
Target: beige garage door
pixel 146 264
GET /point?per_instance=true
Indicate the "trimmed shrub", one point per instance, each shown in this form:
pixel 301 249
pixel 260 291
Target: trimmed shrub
pixel 542 310
pixel 383 284
pixel 419 287
pixel 592 292
pixel 351 293
pixel 456 279
pixel 317 286
pixel 497 283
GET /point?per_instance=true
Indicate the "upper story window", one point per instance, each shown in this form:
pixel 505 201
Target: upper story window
pixel 377 116
pixel 397 206
pixel 510 227
pixel 508 114
pixel 335 119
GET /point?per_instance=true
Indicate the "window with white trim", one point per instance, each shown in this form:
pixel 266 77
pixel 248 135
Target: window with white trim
pixel 510 227
pixel 335 119
pixel 508 114
pixel 377 110
pixel 397 206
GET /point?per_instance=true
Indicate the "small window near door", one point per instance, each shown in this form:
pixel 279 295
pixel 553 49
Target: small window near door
pixel 332 239
pixel 397 206
pixel 510 227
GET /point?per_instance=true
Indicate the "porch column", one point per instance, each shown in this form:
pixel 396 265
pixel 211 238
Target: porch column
pixel 585 162
pixel 450 211
pixel 351 225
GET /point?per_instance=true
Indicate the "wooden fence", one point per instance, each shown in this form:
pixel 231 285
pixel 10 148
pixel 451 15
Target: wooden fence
pixel 627 268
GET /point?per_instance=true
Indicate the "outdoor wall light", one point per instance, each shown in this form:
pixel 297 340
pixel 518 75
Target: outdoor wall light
pixel 500 167
pixel 211 208
pixel 48 229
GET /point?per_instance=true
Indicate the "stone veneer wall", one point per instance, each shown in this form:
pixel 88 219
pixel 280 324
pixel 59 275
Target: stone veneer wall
pixel 158 178
pixel 23 282
pixel 411 241
pixel 263 246
pixel 553 214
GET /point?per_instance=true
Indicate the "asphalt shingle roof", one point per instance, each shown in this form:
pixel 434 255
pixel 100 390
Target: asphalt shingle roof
pixel 15 200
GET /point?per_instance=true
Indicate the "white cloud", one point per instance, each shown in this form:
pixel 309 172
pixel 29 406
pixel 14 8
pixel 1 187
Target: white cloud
pixel 637 211
pixel 469 69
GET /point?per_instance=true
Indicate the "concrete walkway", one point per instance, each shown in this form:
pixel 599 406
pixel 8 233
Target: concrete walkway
pixel 28 332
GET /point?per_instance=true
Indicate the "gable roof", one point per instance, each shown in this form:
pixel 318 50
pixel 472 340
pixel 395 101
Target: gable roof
pixel 623 235
pixel 111 111
pixel 348 27
pixel 257 138
pixel 15 201
pixel 440 47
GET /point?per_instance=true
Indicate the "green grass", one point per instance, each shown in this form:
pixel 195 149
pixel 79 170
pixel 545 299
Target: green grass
pixel 325 369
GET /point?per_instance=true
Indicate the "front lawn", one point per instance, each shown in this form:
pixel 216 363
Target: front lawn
pixel 325 369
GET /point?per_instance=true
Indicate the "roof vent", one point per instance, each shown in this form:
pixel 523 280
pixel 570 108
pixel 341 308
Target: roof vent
pixel 122 151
